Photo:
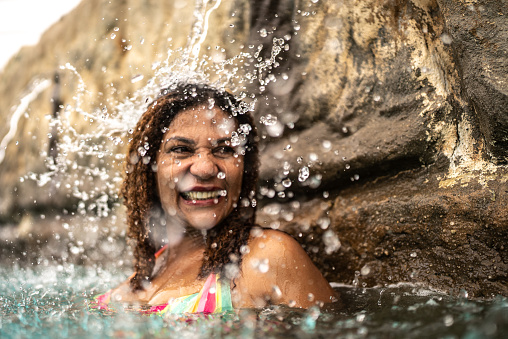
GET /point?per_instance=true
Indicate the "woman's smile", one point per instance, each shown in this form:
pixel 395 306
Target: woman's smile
pixel 203 195
pixel 199 172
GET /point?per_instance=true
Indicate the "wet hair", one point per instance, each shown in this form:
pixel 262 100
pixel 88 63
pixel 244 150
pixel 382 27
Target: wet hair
pixel 139 190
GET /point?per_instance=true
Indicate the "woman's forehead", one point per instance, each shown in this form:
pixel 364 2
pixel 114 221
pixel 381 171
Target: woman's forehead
pixel 203 119
pixel 200 114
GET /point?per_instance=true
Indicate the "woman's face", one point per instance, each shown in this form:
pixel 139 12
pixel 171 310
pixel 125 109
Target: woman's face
pixel 199 172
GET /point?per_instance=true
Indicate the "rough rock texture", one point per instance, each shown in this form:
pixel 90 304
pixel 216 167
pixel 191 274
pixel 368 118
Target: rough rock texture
pixel 391 140
pixel 406 228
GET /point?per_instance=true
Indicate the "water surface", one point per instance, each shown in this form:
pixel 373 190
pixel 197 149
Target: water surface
pixel 53 302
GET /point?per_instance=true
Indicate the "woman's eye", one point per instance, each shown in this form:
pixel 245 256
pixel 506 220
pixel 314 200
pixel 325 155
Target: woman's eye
pixel 180 150
pixel 224 151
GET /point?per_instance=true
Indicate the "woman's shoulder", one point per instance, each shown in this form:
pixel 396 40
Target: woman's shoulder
pixel 268 242
pixel 277 268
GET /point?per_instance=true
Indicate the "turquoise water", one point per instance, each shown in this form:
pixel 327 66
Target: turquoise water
pixel 52 302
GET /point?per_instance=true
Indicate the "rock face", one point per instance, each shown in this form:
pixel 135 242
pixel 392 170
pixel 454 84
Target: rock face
pixel 387 120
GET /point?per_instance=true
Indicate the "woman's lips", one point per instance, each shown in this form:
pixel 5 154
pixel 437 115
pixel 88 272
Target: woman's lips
pixel 203 196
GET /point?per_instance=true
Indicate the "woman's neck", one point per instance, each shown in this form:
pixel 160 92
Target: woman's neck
pixel 191 239
pixel 199 236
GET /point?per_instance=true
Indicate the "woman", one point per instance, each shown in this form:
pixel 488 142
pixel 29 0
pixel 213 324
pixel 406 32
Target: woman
pixel 192 167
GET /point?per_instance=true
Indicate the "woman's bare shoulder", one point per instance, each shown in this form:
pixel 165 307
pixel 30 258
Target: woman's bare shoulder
pixel 281 251
pixel 268 240
pixel 277 268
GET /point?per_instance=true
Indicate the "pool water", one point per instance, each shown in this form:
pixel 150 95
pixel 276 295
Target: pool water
pixel 52 302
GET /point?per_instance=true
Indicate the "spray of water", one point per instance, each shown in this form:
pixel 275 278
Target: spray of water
pixel 90 155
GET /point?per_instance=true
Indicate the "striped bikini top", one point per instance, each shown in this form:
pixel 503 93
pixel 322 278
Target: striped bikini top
pixel 214 297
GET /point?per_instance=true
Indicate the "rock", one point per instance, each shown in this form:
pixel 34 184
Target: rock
pixel 387 121
pixel 408 228
pixel 477 33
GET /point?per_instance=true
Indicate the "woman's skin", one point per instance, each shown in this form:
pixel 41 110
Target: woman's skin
pixel 197 155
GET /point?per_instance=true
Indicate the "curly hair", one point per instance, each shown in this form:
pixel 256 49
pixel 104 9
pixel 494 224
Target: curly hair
pixel 139 190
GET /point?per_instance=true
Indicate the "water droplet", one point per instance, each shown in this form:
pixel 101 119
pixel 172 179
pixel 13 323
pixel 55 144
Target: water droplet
pixel 276 290
pixel 303 173
pixel 263 33
pixel 113 35
pixel 263 266
pixel 331 242
pixel 137 78
pixel 221 175
pixel 268 120
pixel 232 270
pixel 286 182
pixel 245 129
pixel 323 222
pixel 275 130
pixel 448 320
pixel 141 150
pixel 365 270
pixel 446 39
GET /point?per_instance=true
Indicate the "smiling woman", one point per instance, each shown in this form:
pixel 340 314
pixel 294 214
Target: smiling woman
pixel 192 168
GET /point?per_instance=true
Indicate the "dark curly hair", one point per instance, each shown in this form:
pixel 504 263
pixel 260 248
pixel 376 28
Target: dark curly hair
pixel 139 190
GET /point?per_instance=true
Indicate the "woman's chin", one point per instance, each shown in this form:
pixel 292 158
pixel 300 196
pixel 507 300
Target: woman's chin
pixel 203 221
pixel 204 214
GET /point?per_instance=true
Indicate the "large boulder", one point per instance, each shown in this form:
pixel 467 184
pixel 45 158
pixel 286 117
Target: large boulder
pixel 384 124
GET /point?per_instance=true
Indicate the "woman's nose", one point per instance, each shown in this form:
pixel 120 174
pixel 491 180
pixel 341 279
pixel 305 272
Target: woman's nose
pixel 203 166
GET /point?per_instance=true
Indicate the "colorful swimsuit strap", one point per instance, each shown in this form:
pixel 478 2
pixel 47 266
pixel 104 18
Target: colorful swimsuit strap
pixel 214 297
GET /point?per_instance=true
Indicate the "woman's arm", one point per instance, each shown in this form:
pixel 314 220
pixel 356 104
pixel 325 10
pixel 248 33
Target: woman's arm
pixel 278 271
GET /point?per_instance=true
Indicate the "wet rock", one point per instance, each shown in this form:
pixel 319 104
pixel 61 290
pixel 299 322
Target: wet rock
pixel 410 228
pixel 477 34
pixel 390 139
pixel 414 159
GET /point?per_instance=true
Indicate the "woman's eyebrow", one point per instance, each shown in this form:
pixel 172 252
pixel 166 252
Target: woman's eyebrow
pixel 181 139
pixel 223 140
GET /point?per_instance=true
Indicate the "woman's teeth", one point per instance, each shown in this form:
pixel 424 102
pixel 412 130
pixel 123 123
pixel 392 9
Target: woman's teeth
pixel 203 195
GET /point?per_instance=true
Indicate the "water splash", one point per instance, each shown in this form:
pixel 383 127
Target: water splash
pixel 84 159
pixel 199 30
